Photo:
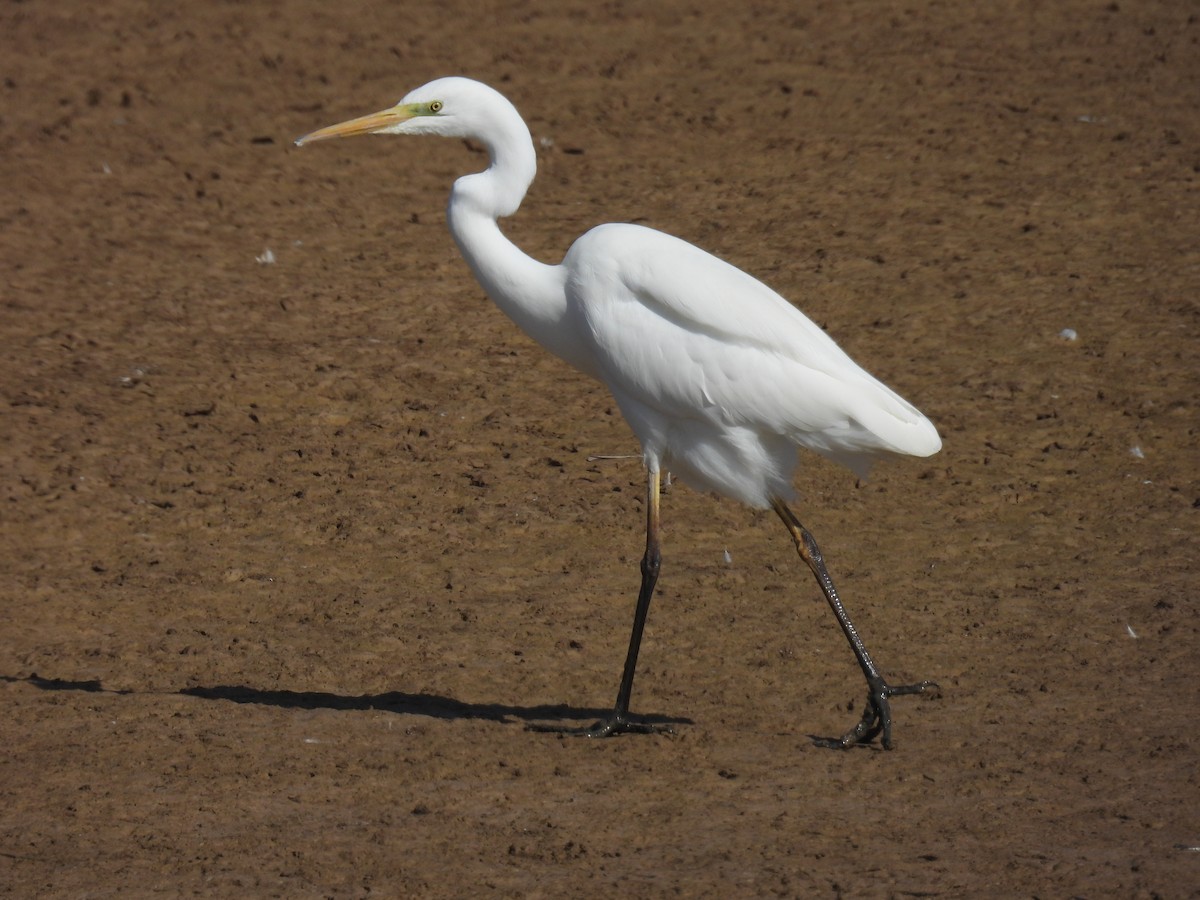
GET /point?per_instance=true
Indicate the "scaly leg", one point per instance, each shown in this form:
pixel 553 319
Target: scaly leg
pixel 618 721
pixel 877 717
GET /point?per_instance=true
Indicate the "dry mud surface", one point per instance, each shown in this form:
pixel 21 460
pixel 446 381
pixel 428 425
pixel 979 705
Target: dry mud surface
pixel 292 552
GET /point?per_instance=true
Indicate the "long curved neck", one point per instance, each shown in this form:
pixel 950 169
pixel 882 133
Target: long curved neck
pixel 529 292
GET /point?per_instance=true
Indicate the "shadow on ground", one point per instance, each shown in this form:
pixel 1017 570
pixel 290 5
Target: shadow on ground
pixel 430 705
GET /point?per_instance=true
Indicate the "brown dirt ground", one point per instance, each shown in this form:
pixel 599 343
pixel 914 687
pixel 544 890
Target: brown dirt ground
pixel 293 552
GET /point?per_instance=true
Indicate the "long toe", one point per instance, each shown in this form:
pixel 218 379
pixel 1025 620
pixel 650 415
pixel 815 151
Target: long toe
pixel 919 688
pixel 615 725
pixel 876 719
pixel 610 727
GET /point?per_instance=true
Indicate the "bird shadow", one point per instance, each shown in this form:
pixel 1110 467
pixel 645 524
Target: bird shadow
pixel 399 702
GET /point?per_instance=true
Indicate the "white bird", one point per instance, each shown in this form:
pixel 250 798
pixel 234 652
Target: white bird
pixel 719 377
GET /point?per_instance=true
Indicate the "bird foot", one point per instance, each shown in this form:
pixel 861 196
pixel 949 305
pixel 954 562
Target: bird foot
pixel 617 723
pixel 876 719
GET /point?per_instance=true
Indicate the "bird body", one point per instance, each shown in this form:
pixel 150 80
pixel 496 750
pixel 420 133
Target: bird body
pixel 719 377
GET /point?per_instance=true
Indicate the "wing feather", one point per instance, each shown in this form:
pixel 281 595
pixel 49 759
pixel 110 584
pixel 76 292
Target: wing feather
pixel 690 336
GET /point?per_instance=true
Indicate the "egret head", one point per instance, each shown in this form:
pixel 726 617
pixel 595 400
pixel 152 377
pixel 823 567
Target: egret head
pixel 450 107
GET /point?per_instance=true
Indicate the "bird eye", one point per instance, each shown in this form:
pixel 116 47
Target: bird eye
pixel 435 106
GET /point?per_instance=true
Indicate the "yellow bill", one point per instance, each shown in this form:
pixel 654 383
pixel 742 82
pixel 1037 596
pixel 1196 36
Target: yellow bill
pixel 369 124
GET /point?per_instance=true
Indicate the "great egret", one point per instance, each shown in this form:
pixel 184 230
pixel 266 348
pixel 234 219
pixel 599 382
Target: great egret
pixel 720 378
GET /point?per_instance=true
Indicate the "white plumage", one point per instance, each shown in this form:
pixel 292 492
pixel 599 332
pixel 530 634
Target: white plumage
pixel 720 378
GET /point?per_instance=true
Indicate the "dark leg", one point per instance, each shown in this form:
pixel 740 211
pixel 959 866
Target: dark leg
pixel 618 722
pixel 877 717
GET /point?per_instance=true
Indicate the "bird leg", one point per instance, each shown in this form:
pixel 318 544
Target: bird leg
pixel 618 722
pixel 877 717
